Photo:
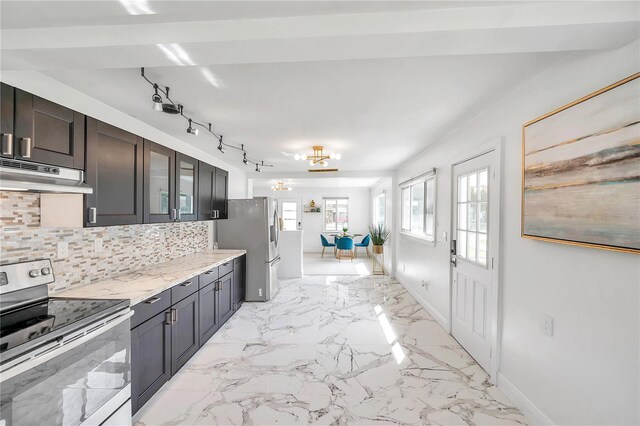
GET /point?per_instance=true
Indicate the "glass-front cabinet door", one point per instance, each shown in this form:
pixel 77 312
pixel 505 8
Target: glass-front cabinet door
pixel 159 183
pixel 186 187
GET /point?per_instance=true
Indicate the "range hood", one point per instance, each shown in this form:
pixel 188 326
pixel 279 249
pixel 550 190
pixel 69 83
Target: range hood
pixel 17 175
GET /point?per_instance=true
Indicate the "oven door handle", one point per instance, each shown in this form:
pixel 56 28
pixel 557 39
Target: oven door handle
pixel 12 369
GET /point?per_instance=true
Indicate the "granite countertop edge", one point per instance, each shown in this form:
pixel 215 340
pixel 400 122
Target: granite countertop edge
pixel 141 284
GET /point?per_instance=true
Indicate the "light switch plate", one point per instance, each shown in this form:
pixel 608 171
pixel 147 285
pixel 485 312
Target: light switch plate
pixel 547 325
pixel 63 250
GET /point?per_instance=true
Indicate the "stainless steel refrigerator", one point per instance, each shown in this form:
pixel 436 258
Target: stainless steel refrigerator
pixel 253 226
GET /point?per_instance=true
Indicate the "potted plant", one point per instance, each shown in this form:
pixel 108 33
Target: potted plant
pixel 379 235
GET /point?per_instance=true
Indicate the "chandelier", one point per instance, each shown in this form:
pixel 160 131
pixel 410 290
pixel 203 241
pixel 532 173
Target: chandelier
pixel 279 186
pixel 318 157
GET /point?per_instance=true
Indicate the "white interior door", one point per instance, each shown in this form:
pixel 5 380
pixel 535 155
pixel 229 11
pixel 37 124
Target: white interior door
pixel 475 213
pixel 291 214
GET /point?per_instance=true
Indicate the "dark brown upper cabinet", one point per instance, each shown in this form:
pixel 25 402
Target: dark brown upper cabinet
pixel 159 183
pixel 6 120
pixel 221 196
pixel 206 190
pixel 46 132
pixel 186 187
pixel 114 171
pixel 212 192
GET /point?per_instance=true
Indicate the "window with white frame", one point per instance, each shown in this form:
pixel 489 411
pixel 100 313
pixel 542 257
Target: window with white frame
pixel 379 209
pixel 290 211
pixel 336 214
pixel 418 203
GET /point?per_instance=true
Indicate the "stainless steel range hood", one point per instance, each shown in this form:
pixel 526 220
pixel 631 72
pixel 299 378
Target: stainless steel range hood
pixel 17 175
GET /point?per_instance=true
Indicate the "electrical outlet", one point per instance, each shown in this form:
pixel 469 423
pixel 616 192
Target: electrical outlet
pixel 63 250
pixel 547 325
pixel 98 245
pixel 260 292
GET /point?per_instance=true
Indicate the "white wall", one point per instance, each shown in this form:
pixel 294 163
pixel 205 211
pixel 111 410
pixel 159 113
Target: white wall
pixel 386 186
pixel 55 91
pixel 312 223
pixel 588 372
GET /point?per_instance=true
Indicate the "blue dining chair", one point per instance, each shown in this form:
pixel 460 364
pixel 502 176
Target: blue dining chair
pixel 325 244
pixel 345 248
pixel 364 243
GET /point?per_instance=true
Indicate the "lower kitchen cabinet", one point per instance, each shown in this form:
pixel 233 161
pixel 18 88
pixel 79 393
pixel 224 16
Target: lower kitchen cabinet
pixel 225 298
pixel 185 335
pixel 170 327
pixel 209 322
pixel 239 277
pixel 150 358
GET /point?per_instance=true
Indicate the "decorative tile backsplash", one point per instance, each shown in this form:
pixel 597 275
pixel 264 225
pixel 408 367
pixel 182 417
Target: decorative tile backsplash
pixel 124 248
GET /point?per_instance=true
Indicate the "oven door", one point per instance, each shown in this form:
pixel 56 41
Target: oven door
pixel 83 381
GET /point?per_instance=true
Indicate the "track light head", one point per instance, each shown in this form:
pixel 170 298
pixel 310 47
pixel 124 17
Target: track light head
pixel 192 130
pixel 157 100
pixel 220 146
pixel 244 158
pixel 257 168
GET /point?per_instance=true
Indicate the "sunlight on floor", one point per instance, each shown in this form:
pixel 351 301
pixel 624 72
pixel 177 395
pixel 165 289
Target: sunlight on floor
pixel 315 264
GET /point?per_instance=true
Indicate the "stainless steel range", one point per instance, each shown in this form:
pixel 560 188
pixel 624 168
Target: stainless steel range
pixel 63 361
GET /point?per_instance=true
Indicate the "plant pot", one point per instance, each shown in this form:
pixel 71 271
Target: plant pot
pixel 378 249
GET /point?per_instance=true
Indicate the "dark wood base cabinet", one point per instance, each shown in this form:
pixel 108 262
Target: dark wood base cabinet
pixel 168 329
pixel 151 356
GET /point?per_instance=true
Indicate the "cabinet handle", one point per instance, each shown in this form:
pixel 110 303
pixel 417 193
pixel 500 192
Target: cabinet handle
pixel 226 264
pixel 25 147
pixel 152 300
pixel 174 316
pixel 93 213
pixel 185 284
pixel 7 144
pixel 167 318
pixel 217 287
pixel 210 272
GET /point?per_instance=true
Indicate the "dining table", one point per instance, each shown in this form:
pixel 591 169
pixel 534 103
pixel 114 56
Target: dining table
pixel 345 234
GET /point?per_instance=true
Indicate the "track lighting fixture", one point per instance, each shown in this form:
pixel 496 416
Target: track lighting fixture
pixel 191 129
pixel 171 107
pixel 157 100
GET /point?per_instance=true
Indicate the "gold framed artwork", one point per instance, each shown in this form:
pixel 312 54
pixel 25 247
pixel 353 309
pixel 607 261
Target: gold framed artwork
pixel 581 171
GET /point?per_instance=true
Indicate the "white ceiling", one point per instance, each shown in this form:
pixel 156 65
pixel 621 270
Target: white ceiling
pixel 375 81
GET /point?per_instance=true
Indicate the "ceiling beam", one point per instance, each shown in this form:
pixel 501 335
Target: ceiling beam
pixel 544 14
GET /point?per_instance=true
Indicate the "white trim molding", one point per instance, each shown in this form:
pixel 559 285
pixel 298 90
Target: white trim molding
pixel 528 408
pixel 441 319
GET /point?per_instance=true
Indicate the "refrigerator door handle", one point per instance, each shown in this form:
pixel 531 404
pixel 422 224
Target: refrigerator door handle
pixel 274 261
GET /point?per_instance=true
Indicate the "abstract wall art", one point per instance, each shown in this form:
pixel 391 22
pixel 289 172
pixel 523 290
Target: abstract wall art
pixel 581 171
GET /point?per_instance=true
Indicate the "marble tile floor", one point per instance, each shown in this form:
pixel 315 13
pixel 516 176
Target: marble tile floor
pixel 331 350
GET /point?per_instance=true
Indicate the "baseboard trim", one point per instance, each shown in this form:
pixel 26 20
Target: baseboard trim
pixel 528 408
pixel 426 305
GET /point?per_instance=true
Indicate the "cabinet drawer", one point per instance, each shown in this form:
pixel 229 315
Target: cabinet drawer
pixel 225 268
pixel 208 277
pixel 184 289
pixel 150 307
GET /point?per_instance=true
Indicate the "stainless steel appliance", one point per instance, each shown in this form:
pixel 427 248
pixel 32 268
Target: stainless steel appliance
pixel 63 361
pixel 253 226
pixel 18 175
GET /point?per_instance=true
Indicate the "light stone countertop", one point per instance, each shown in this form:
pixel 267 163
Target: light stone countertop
pixel 144 283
